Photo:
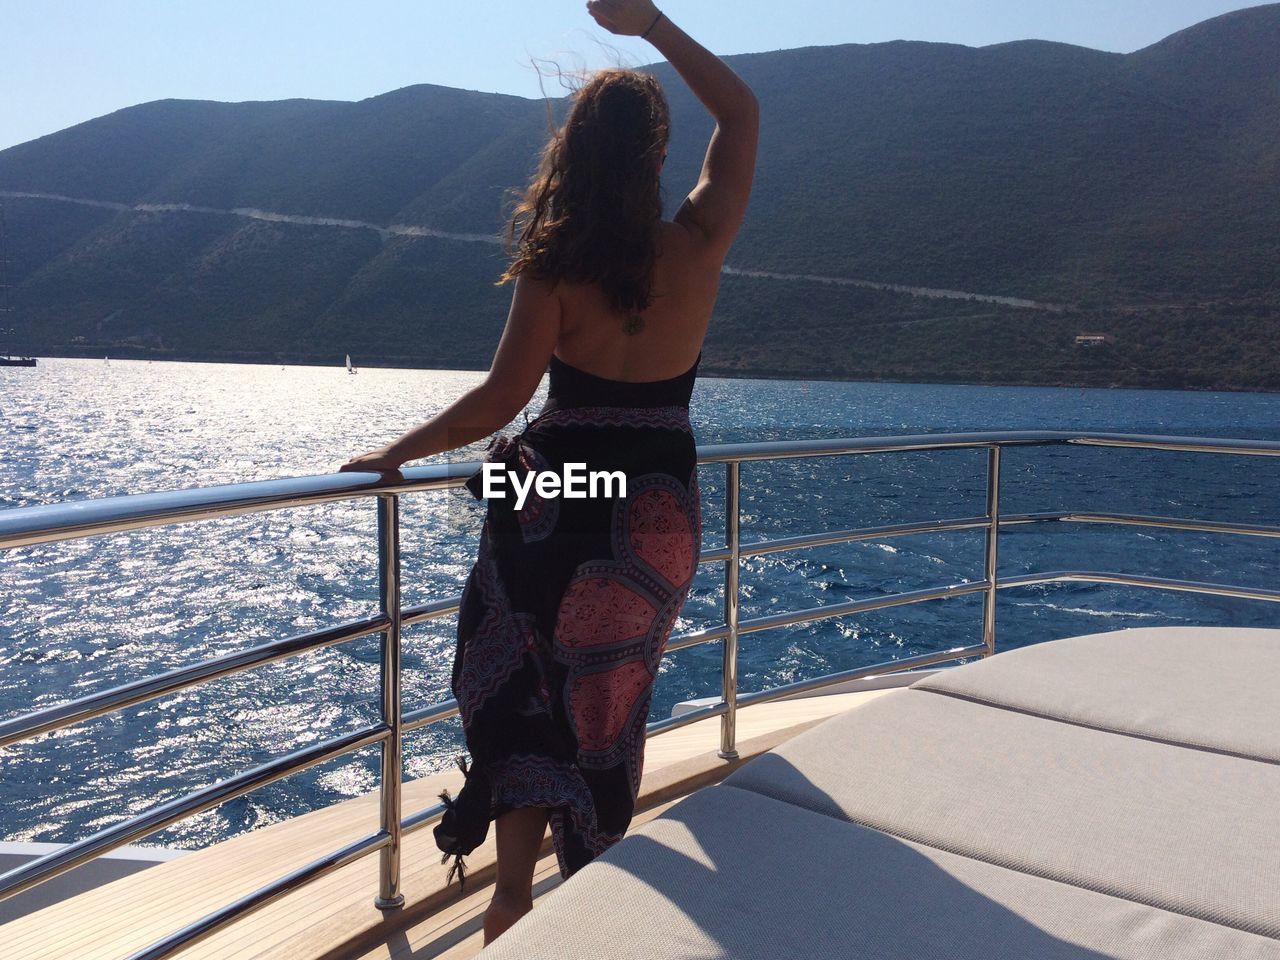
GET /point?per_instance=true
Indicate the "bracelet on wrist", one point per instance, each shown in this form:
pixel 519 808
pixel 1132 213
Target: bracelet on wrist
pixel 645 35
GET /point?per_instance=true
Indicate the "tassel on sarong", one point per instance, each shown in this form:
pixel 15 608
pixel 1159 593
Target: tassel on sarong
pixel 461 829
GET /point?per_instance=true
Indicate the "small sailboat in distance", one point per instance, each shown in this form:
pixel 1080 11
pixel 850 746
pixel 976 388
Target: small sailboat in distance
pixel 350 368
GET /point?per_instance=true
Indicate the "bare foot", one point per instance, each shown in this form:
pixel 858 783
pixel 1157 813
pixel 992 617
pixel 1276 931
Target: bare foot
pixel 504 910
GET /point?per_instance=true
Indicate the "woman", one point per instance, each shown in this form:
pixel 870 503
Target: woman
pixel 566 612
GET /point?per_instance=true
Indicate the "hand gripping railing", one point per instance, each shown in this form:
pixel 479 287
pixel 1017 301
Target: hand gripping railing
pixel 29 526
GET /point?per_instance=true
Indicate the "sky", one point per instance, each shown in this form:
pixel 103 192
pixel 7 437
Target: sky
pixel 66 61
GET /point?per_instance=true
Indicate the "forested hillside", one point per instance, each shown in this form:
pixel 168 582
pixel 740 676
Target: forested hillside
pixel 1132 195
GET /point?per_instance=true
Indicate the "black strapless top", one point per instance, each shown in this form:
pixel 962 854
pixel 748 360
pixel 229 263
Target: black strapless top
pixel 574 387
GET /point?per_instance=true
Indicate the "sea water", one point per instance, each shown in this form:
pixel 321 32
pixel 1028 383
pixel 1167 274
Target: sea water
pixel 84 616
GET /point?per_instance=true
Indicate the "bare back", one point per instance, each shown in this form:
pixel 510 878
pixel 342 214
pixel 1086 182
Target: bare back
pixel 685 282
pixel 578 322
pixel 693 244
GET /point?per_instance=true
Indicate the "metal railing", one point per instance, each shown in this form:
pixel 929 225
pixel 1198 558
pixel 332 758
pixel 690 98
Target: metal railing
pixel 30 526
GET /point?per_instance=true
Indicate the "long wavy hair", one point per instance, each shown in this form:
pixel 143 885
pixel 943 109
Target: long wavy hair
pixel 592 211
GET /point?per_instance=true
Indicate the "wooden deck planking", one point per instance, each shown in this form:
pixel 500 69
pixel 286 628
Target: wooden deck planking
pixel 457 932
pixel 334 917
pixel 111 921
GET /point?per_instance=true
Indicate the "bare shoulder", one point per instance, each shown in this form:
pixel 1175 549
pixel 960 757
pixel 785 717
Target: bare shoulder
pixel 536 304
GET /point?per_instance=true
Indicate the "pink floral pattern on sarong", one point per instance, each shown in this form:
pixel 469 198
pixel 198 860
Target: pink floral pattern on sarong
pixel 566 613
pixel 616 615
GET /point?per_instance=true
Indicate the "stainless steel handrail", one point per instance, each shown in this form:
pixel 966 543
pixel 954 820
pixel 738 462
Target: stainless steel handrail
pixel 732 592
pixel 26 526
pixel 30 526
pixel 989 555
pixel 72 855
pixel 1138 520
pixel 389 807
pixel 813 614
pixel 1151 583
pixel 294 880
pixel 150 688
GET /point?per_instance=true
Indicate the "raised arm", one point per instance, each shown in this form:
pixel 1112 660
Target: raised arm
pixel 714 209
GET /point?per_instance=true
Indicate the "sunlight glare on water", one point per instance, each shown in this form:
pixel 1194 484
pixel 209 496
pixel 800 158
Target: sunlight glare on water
pixel 84 616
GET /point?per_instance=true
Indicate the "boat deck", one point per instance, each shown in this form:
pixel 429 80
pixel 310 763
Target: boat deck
pixel 1107 795
pixel 335 917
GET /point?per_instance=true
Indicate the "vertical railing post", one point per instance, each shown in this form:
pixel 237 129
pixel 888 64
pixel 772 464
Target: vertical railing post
pixel 728 721
pixel 993 540
pixel 389 895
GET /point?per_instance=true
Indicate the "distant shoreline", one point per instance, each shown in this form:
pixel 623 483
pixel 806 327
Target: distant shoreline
pixel 705 370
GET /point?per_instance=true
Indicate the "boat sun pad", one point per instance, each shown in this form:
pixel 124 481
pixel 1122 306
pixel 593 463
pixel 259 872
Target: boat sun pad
pixel 961 818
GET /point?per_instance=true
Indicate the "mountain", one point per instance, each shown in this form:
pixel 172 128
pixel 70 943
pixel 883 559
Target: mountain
pixel 1133 195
